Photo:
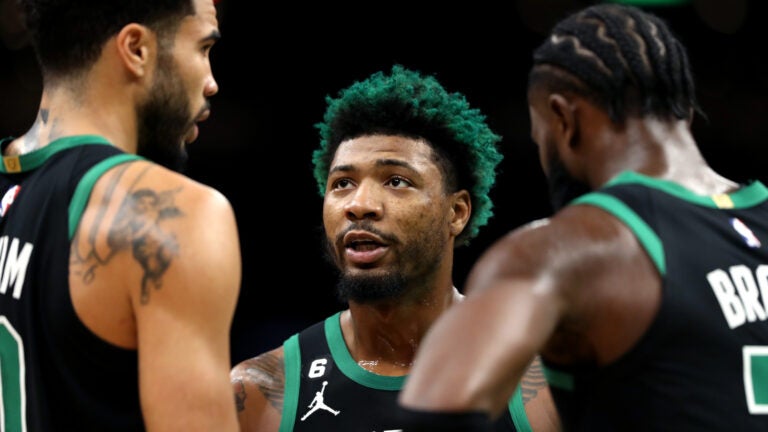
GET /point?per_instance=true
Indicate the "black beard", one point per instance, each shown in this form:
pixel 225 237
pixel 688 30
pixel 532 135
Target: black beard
pixel 363 288
pixel 370 288
pixel 563 188
pixel 164 119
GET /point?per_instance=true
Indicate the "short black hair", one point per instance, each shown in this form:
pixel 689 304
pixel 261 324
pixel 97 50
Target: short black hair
pixel 68 35
pixel 408 103
pixel 624 59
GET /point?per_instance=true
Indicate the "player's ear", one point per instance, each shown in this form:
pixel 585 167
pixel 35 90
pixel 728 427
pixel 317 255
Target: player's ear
pixel 461 209
pixel 136 46
pixel 565 122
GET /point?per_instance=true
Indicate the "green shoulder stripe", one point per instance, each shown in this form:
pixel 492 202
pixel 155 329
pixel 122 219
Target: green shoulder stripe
pixel 647 237
pixel 517 410
pixel 292 356
pixel 84 188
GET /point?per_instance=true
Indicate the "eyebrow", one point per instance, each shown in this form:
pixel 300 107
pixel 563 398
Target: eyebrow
pixel 379 163
pixel 214 35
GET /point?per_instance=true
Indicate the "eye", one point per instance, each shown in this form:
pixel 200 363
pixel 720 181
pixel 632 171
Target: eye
pixel 399 182
pixel 343 183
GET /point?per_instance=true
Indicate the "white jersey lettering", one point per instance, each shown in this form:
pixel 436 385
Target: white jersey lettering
pixel 742 294
pixel 13 265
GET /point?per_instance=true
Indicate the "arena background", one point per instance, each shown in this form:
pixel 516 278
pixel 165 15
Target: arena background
pixel 277 62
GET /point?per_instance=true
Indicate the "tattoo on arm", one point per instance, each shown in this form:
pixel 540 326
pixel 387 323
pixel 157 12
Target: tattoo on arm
pixel 136 227
pixel 533 380
pixel 267 371
pixel 240 395
pixel 272 384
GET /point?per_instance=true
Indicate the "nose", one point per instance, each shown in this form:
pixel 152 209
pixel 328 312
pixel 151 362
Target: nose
pixel 211 86
pixel 364 203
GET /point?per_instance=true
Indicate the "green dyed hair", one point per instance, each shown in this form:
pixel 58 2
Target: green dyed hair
pixel 410 104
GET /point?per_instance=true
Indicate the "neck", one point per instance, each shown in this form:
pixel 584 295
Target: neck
pixel 68 109
pixel 662 149
pixel 384 337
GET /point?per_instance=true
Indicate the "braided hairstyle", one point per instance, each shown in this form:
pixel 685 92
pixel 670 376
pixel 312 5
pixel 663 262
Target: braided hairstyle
pixel 409 104
pixel 622 58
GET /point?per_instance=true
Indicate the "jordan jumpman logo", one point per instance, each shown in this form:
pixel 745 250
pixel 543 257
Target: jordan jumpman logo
pixel 317 403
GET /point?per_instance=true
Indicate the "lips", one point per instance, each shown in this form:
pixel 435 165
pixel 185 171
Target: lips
pixel 355 239
pixel 363 247
pixel 194 131
pixel 204 116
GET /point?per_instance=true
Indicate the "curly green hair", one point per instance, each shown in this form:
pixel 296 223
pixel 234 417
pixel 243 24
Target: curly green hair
pixel 407 103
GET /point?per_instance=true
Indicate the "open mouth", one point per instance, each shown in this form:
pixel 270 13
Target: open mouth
pixel 363 245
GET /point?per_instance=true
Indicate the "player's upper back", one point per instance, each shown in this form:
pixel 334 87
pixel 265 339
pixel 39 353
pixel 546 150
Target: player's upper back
pixel 705 339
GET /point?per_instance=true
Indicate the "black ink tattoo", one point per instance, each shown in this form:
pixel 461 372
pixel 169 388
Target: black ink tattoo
pixel 268 372
pixel 533 380
pixel 138 223
pixel 240 396
pixel 136 227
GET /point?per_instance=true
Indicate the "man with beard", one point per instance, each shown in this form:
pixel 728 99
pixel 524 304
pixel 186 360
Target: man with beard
pixel 405 169
pixel 118 276
pixel 645 298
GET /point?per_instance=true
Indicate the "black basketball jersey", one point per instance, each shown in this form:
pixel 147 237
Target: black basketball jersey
pixel 703 363
pixel 326 390
pixel 56 374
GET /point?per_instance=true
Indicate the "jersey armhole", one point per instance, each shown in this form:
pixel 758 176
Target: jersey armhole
pixel 292 363
pixel 517 411
pixel 643 232
pixel 85 186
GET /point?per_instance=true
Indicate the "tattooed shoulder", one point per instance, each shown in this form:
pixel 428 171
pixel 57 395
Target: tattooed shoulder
pixel 137 227
pixel 265 373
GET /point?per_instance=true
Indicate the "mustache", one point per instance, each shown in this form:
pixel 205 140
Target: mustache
pixel 368 227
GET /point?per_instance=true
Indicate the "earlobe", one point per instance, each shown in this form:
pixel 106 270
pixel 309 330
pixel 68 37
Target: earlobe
pixel 134 45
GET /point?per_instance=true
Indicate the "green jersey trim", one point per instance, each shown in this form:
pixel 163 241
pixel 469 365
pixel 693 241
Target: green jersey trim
pixel 85 186
pixel 349 366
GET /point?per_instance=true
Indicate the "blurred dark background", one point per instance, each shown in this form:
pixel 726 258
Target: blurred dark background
pixel 276 64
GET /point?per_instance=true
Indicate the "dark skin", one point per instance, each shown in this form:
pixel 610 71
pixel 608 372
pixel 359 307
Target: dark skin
pixel 387 181
pixel 576 288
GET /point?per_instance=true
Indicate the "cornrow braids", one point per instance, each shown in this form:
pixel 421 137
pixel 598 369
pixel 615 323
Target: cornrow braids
pixel 409 104
pixel 622 58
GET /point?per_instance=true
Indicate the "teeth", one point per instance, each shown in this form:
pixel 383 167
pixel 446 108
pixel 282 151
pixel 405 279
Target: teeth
pixel 366 246
pixel 363 244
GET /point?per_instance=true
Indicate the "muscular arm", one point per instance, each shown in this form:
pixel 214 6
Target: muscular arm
pixel 156 267
pixel 574 289
pixel 259 386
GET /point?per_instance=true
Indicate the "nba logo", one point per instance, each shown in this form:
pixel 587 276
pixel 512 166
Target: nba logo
pixel 8 198
pixel 749 237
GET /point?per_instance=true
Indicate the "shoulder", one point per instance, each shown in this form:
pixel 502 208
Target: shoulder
pixel 576 239
pixel 144 180
pixel 593 271
pixel 144 223
pixel 141 194
pixel 264 369
pixel 258 384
